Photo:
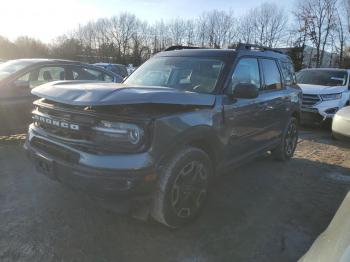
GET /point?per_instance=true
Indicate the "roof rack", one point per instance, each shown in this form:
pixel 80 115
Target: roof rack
pixel 180 47
pixel 242 46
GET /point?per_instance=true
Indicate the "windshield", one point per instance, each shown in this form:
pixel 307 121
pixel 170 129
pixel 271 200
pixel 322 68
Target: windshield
pixel 11 67
pixel 323 77
pixel 183 73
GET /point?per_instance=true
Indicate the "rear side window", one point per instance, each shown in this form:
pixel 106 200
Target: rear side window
pixel 288 73
pixel 55 73
pixel 82 73
pixel 271 73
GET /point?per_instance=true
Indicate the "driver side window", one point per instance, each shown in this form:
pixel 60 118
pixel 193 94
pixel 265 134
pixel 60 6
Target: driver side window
pixel 246 72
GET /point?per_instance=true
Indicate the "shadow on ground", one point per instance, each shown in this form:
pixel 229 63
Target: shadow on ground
pixel 264 211
pixel 322 134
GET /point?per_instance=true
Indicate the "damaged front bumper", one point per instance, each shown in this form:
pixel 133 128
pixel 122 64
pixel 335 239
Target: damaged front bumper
pixel 322 111
pixel 126 177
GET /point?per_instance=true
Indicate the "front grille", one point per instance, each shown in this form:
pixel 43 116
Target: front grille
pixel 54 150
pixel 310 100
pixel 64 133
pixel 59 113
pixel 73 126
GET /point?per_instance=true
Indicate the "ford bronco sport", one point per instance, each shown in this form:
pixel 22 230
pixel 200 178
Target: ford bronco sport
pixel 182 118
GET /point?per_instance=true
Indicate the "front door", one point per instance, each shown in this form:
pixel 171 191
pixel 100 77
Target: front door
pixel 16 101
pixel 243 118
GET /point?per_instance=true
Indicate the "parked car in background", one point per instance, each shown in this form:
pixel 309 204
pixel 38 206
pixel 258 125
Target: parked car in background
pixel 115 68
pixel 325 91
pixel 18 77
pixel 156 141
pixel 341 124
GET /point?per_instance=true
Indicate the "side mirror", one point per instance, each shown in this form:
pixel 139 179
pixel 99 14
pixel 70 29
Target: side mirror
pixel 245 90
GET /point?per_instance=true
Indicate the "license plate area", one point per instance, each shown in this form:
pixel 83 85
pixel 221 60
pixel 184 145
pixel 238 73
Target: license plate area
pixel 44 164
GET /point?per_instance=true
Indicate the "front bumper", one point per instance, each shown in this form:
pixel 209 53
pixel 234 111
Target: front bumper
pixel 126 176
pixel 311 116
pixel 323 110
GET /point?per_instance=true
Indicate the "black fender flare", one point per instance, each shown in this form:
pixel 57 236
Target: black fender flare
pixel 191 137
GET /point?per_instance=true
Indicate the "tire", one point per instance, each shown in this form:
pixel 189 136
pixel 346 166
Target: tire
pixel 285 150
pixel 182 188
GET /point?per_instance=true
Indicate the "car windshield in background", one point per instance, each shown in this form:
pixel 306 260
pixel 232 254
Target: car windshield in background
pixel 323 77
pixel 11 67
pixel 182 73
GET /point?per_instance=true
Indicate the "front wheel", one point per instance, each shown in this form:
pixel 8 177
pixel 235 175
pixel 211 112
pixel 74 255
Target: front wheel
pixel 182 187
pixel 285 150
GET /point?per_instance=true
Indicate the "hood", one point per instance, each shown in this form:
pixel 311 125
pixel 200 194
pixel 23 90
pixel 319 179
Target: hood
pixel 321 90
pixel 98 94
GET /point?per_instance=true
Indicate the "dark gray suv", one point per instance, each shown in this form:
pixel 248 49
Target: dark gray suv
pixel 156 141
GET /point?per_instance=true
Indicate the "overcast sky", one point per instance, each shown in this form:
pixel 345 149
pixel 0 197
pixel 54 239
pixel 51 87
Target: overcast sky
pixel 46 19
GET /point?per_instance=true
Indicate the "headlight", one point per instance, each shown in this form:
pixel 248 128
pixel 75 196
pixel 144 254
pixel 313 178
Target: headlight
pixel 331 97
pixel 120 132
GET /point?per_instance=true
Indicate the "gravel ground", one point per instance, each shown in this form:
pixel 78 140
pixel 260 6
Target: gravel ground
pixel 265 211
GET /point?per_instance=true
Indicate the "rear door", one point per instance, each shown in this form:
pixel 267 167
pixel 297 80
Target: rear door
pixel 273 97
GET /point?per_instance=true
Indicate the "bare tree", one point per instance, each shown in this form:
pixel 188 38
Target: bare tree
pixel 29 47
pixel 346 7
pixel 339 37
pixel 65 47
pixel 190 33
pixel 8 50
pixel 177 29
pixel 216 29
pixel 319 18
pixel 124 38
pixel 246 32
pixel 264 25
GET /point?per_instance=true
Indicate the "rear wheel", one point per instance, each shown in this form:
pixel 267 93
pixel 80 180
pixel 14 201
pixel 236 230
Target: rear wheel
pixel 182 188
pixel 285 150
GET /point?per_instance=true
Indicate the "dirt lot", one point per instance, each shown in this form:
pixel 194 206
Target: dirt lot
pixel 265 211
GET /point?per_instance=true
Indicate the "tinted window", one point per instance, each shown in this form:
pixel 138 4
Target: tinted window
pixel 47 74
pixel 247 72
pixel 271 73
pixel 11 67
pixel 82 73
pixel 43 75
pixel 323 77
pixel 120 70
pixel 288 73
pixel 183 73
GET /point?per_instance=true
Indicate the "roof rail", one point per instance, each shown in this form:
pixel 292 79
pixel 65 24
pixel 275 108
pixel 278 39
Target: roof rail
pixel 180 47
pixel 242 46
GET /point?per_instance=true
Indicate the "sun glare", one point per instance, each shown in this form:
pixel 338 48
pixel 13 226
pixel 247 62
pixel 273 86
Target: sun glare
pixel 43 19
